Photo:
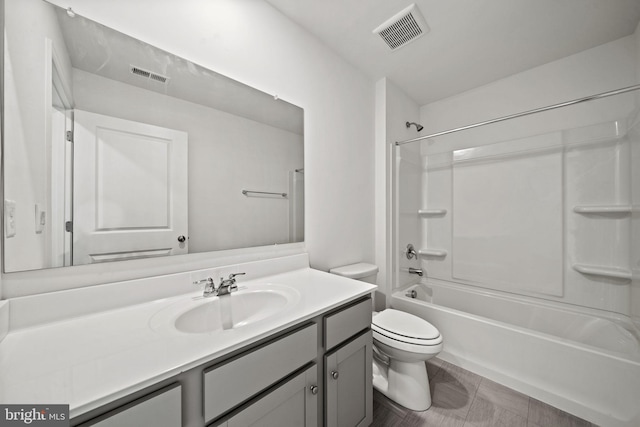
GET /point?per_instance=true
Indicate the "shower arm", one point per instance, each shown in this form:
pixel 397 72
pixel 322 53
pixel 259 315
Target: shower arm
pixel 418 126
pixel 525 113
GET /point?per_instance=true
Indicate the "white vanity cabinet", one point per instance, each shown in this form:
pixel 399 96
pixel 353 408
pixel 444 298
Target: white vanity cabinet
pixel 348 367
pixel 160 409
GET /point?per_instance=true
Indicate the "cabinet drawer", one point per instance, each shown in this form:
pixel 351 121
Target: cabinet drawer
pixel 344 324
pixel 229 384
pixel 159 409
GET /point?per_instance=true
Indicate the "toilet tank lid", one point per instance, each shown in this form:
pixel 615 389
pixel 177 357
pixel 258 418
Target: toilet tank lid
pixel 355 271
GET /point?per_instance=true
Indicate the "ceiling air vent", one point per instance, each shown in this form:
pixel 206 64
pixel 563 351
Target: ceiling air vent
pixel 148 74
pixel 404 27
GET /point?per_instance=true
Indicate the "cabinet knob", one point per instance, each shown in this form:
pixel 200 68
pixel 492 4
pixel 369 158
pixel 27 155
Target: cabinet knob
pixel 314 389
pixel 334 375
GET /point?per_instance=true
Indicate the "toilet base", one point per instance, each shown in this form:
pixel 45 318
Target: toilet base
pixel 406 383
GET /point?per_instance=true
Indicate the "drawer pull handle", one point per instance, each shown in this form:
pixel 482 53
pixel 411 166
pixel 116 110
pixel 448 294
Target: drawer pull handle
pixel 314 389
pixel 334 375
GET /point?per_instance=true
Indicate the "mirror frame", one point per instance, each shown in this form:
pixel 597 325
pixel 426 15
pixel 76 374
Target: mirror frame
pixel 31 282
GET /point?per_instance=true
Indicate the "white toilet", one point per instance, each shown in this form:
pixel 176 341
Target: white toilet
pixel 402 343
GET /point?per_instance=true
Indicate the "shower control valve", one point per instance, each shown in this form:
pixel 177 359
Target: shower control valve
pixel 411 252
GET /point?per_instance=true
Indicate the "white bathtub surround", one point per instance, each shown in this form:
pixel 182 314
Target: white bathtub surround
pixel 585 362
pixel 545 216
pixel 108 341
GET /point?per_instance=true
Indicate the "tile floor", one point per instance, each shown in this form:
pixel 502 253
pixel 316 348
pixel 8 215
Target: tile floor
pixel 463 399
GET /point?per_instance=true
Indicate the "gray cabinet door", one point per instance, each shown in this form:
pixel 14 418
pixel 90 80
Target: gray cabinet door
pixel 348 377
pixel 293 404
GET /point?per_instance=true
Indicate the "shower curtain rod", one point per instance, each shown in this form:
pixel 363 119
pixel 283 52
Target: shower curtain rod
pixel 525 113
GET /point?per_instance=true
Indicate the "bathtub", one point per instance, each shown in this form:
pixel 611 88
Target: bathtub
pixel 582 361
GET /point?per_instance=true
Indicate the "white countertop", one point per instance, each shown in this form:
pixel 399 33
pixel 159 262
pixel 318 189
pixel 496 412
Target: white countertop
pixel 91 360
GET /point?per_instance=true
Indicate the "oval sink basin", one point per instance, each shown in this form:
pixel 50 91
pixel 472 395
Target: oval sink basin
pixel 231 311
pixel 251 304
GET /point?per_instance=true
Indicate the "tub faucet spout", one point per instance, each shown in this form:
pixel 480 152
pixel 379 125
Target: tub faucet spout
pixel 417 271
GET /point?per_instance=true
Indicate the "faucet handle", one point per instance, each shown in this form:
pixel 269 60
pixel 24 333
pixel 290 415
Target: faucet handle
pixel 210 288
pixel 232 276
pixel 208 281
pixel 231 280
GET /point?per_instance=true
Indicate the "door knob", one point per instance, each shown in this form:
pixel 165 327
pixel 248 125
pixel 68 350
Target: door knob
pixel 314 389
pixel 334 375
pixel 181 239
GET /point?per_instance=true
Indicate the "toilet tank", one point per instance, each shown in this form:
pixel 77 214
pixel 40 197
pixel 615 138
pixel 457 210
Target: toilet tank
pixel 360 271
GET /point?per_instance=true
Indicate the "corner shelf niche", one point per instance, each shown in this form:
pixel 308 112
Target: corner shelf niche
pixel 603 209
pixel 595 270
pixel 432 212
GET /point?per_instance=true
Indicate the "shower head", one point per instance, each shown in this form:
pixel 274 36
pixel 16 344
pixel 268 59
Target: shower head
pixel 418 126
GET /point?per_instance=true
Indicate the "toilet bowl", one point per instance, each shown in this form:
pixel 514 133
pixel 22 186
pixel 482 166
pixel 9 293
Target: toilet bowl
pixel 402 343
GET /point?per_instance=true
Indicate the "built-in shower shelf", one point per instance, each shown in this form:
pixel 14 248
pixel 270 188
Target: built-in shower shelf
pixel 594 270
pixel 604 209
pixel 432 212
pixel 433 252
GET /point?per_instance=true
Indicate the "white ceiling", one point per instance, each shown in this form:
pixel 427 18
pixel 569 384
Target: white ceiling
pixel 470 43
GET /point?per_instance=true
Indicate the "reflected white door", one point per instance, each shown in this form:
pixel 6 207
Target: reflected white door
pixel 60 184
pixel 130 190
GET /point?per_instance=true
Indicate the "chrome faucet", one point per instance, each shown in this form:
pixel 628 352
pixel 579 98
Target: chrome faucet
pixel 225 287
pixel 228 285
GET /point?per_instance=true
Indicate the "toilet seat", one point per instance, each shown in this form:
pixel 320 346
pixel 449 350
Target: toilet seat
pixel 405 331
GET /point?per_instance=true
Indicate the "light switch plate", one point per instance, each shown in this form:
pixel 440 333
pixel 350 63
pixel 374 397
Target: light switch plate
pixel 40 218
pixel 9 218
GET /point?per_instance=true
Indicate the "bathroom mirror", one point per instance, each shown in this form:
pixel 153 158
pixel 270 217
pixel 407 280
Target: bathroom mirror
pixel 116 150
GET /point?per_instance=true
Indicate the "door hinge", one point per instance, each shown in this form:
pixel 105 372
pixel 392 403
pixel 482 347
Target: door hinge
pixel 68 226
pixel 69 136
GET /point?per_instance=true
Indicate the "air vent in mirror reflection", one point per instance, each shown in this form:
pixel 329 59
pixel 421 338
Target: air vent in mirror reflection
pixel 148 74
